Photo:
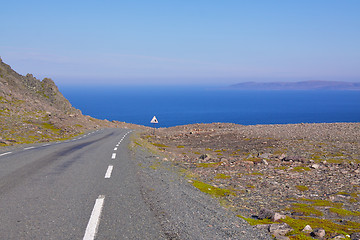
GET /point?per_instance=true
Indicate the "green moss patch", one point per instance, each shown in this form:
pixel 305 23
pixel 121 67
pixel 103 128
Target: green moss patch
pixel 330 227
pixel 159 145
pixel 206 165
pixel 302 188
pixel 321 203
pixel 281 168
pixel 305 209
pixel 253 221
pixel 343 212
pixel 222 176
pixel 213 191
pixel 300 169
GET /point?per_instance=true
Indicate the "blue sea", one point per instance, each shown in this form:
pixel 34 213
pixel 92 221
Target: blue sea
pixel 186 105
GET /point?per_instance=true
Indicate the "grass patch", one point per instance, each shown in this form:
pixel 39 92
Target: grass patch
pixel 222 176
pixel 343 212
pixel 302 188
pixel 213 191
pixel 206 165
pixel 257 173
pixel 330 227
pixel 322 203
pixel 253 221
pixel 305 209
pixel 159 145
pixel 300 169
pixel 281 168
pixel 180 146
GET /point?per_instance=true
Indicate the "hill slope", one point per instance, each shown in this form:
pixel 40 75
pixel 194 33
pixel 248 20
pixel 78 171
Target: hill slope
pixel 35 111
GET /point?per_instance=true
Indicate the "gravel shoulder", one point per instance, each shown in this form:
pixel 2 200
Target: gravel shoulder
pixel 183 211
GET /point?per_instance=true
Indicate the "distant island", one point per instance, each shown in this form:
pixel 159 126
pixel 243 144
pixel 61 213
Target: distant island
pixel 304 85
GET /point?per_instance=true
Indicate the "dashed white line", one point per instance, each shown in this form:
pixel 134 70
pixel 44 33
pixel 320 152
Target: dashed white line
pixel 93 223
pixel 46 145
pixel 115 149
pixel 28 148
pixel 113 156
pixel 3 154
pixel 108 171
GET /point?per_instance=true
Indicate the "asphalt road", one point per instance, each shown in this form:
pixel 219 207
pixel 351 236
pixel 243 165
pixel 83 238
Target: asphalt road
pixel 94 187
pixel 57 191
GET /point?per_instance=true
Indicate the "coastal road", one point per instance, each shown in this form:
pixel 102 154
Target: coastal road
pixel 95 187
pixel 71 189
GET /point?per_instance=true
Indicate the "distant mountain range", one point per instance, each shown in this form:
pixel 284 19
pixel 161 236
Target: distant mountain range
pixel 305 85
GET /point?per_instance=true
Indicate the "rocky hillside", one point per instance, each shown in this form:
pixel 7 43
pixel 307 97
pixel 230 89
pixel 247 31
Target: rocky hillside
pixel 35 111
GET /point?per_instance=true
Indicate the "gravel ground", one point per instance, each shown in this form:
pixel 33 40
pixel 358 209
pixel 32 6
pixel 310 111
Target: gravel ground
pixel 183 211
pixel 299 170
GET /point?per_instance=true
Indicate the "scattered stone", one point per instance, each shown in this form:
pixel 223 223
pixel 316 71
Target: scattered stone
pixel 264 155
pixel 318 233
pixel 315 166
pixel 277 216
pixel 280 229
pixel 280 237
pixel 265 213
pixel 282 156
pixel 307 229
pixel 338 237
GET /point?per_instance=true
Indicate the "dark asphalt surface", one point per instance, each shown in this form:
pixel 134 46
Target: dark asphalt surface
pixel 49 192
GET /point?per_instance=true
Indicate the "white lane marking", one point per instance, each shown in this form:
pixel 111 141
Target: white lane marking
pixel 108 171
pixel 3 154
pixel 28 148
pixel 46 145
pixel 113 156
pixel 115 149
pixel 93 223
pixel 117 145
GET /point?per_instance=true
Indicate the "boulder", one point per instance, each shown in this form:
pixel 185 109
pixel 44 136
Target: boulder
pixel 318 233
pixel 307 229
pixel 277 216
pixel 338 237
pixel 315 166
pixel 265 213
pixel 279 229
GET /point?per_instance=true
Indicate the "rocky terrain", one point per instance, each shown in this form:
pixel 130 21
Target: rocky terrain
pixel 35 111
pixel 301 174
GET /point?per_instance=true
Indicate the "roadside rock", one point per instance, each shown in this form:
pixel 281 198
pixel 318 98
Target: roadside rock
pixel 318 233
pixel 307 229
pixel 265 213
pixel 279 229
pixel 277 216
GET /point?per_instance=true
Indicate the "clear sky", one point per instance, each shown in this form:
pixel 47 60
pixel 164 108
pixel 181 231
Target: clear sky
pixel 182 42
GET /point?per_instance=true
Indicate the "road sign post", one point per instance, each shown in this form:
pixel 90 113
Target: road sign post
pixel 154 121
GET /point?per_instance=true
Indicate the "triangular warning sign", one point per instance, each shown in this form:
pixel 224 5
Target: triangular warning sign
pixel 154 120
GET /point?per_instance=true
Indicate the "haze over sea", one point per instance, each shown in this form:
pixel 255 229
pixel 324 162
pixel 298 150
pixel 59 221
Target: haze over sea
pixel 186 105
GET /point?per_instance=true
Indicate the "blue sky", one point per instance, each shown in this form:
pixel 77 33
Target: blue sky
pixel 182 42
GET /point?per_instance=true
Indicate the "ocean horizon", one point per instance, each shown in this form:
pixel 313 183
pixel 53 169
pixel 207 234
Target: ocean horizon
pixel 187 105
